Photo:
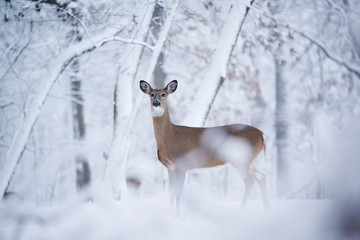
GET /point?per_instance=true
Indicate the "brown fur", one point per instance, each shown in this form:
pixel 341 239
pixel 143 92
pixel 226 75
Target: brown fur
pixel 185 139
pixel 182 148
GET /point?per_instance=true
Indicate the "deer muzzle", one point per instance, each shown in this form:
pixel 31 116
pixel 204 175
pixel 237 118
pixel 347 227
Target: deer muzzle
pixel 156 103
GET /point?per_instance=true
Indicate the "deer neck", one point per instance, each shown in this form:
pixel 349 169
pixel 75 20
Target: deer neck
pixel 163 127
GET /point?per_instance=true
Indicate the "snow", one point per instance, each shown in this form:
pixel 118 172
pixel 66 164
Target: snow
pixel 151 219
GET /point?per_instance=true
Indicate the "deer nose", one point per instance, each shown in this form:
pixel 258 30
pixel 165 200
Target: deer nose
pixel 156 103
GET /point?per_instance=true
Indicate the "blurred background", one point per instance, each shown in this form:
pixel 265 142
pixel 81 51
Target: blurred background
pixel 72 115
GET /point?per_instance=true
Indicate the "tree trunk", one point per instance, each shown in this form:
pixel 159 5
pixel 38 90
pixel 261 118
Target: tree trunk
pixel 77 103
pixel 281 130
pixel 125 114
pixel 216 73
pixel 83 175
pixel 157 23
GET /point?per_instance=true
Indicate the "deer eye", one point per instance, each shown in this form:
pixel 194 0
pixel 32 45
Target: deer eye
pixel 163 95
pixel 152 94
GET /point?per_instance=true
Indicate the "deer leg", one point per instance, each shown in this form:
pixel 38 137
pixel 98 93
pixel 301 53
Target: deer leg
pixel 172 180
pixel 249 183
pixel 261 180
pixel 180 178
pixel 176 184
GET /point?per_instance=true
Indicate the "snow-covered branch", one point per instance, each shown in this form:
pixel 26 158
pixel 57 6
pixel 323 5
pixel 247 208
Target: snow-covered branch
pixel 83 25
pixel 346 27
pixel 338 8
pixel 131 41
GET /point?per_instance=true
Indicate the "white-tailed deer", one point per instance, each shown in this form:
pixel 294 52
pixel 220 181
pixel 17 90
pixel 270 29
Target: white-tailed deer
pixel 182 148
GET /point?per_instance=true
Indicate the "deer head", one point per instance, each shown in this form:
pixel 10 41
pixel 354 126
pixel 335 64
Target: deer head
pixel 158 97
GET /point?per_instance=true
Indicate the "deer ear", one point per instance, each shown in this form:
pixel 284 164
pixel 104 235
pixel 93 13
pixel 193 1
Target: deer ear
pixel 145 87
pixel 171 87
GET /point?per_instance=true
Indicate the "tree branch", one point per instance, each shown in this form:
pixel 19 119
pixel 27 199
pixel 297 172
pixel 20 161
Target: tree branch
pixel 83 25
pixel 112 38
pixel 19 54
pixel 133 41
pixel 6 104
pixel 352 68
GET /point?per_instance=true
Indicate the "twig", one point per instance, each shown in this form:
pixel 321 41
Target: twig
pixel 348 66
pixel 133 41
pixel 19 54
pixel 83 25
pixel 6 104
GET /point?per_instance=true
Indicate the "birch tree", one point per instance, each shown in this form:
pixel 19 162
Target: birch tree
pixel 123 106
pixel 57 66
pixel 116 166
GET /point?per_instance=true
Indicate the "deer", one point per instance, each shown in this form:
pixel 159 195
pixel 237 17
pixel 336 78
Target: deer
pixel 183 148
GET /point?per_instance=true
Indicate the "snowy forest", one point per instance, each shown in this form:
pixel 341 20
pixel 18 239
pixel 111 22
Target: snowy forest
pixel 78 156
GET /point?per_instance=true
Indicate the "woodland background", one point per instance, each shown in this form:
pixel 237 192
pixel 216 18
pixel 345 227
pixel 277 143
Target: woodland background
pixel 74 123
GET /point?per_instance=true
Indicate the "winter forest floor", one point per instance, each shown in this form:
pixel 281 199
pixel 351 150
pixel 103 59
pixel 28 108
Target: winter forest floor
pixel 151 219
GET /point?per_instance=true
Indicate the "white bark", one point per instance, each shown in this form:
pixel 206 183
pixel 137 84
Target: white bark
pixel 217 69
pixel 115 170
pixel 115 175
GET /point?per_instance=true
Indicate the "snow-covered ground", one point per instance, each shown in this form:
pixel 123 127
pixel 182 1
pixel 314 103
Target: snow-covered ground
pixel 151 219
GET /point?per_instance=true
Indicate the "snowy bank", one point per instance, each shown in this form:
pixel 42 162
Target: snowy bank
pixel 151 219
